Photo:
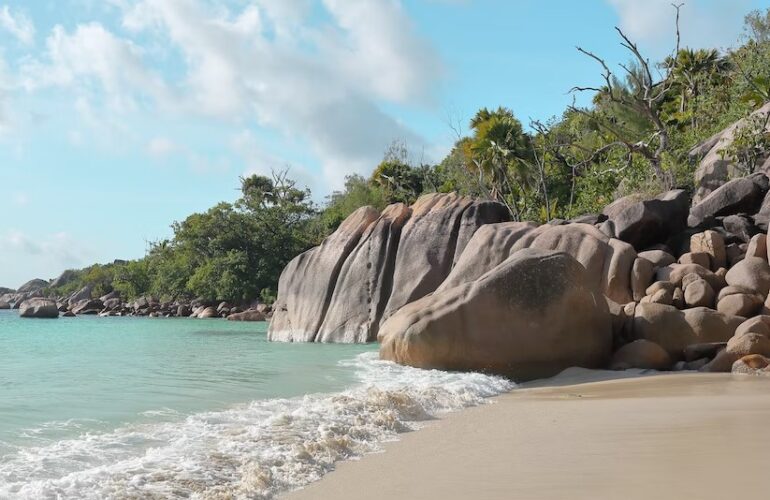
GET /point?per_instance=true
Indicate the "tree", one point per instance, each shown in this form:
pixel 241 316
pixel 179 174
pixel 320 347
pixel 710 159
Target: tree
pixel 757 26
pixel 642 96
pixel 399 181
pixel 358 192
pixel 691 69
pixel 499 150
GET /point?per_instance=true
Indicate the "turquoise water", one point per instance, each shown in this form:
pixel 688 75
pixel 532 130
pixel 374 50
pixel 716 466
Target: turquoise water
pixel 184 408
pixel 114 370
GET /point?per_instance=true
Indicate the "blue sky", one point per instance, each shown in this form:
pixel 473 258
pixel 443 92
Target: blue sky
pixel 118 117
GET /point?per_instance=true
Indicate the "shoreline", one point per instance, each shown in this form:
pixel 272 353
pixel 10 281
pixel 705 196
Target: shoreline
pixel 579 435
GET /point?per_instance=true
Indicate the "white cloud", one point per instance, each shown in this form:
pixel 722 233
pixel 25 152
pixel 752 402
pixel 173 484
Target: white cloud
pixel 163 148
pixel 50 253
pixel 321 84
pixel 44 256
pixel 17 24
pixel 206 165
pixel 704 23
pixel 21 199
pixel 319 80
pixel 380 49
pixel 92 54
pixel 5 85
pixel 19 241
pixel 159 147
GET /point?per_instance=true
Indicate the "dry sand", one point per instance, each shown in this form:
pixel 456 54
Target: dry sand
pixel 673 436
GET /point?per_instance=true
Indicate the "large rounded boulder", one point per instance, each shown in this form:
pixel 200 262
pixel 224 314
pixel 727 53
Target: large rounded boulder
pixel 38 308
pixel 531 316
pixel 646 222
pixel 742 195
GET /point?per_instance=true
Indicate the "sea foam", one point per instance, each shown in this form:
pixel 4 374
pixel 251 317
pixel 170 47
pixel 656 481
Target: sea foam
pixel 248 451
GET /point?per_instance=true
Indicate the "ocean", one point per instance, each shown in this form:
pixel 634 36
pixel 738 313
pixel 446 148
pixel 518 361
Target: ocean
pixel 94 408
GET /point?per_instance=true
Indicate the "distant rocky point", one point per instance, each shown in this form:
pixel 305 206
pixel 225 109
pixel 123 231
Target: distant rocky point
pixel 32 303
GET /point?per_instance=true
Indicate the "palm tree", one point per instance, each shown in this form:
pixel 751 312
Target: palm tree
pixel 690 69
pixel 499 150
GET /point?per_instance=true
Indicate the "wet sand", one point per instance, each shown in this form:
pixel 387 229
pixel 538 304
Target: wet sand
pixel 670 436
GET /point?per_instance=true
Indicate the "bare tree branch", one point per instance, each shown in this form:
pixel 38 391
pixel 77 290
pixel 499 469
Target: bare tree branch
pixel 644 96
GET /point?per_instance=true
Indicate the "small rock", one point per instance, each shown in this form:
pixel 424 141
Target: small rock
pixel 700 258
pixel 740 226
pixel 699 293
pixel 705 350
pixel 662 296
pixel 660 285
pixel 696 364
pixel 722 362
pixel 752 273
pixel 678 298
pixel 679 271
pixel 757 246
pixel 250 315
pixel 208 312
pixel 753 364
pixel 757 324
pixel 659 258
pixel 749 343
pixel 712 243
pixel 642 273
pixel 641 354
pixel 740 304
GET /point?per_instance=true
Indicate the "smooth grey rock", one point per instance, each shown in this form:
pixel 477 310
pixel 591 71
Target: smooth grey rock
pixel 307 283
pixel 644 223
pixel 38 308
pixel 365 281
pixel 33 286
pixel 433 240
pixel 743 195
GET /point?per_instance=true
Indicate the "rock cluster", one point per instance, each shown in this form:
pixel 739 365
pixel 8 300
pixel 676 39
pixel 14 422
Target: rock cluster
pixel 32 304
pixel 715 167
pixel 450 283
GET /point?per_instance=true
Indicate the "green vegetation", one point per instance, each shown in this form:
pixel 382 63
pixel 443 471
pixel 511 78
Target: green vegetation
pixel 634 137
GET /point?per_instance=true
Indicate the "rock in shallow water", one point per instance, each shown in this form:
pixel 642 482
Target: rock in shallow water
pixel 38 308
pixel 532 316
pixel 250 315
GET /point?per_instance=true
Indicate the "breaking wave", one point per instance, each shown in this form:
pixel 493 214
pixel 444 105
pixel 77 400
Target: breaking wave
pixel 249 451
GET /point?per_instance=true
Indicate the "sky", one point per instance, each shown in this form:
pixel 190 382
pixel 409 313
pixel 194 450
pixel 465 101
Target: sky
pixel 118 117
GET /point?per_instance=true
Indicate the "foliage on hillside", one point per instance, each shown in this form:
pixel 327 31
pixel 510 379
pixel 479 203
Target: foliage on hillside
pixel 633 138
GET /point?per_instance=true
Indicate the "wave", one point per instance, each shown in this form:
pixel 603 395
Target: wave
pixel 249 451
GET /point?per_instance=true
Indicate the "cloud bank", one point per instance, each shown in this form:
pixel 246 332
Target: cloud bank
pixel 318 72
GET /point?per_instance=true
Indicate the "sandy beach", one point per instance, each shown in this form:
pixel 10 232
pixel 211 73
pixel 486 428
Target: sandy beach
pixel 668 436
